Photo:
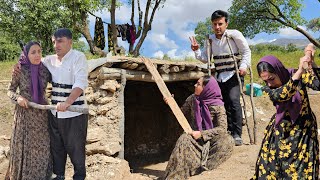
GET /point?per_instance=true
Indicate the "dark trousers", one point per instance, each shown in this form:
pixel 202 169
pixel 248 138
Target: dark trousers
pixel 231 96
pixel 68 136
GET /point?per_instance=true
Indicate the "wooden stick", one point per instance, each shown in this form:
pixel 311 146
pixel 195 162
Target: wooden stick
pixel 253 109
pixel 166 94
pixel 54 107
pixel 241 90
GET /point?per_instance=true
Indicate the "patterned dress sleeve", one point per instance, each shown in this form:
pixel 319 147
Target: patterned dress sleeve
pixel 186 107
pixel 283 93
pixel 13 86
pixel 219 119
pixel 311 80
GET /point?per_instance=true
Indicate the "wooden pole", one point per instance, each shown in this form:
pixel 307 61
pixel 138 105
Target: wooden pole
pixel 132 75
pixel 241 91
pixel 166 94
pixel 54 107
pixel 122 119
pixel 253 109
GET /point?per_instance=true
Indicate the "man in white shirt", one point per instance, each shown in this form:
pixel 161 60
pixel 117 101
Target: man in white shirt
pixel 225 67
pixel 68 130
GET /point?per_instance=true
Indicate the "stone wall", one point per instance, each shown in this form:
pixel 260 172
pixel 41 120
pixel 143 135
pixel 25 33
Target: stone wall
pixel 150 127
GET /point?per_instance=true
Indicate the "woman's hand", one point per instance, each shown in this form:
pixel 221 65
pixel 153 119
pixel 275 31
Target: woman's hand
pixel 23 102
pixel 196 134
pixel 166 99
pixel 303 60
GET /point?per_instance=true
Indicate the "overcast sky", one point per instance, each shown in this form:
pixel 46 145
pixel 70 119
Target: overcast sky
pixel 173 24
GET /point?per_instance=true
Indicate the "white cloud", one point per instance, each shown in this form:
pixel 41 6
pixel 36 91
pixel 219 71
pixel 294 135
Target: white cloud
pixel 272 40
pixel 178 16
pixel 158 54
pixel 256 41
pixel 289 32
pixel 172 53
pixel 161 40
pixel 173 23
pixel 175 54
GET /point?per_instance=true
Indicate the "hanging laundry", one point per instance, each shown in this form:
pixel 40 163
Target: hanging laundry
pixel 123 31
pixel 99 38
pixel 110 42
pixel 130 34
pixel 133 34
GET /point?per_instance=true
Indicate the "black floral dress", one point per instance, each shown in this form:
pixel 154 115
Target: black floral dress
pixel 291 151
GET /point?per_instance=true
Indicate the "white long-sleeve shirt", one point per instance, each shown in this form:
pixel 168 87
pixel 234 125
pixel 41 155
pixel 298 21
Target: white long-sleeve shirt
pixel 220 47
pixel 71 70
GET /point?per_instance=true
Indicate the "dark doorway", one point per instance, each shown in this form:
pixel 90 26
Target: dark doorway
pixel 151 129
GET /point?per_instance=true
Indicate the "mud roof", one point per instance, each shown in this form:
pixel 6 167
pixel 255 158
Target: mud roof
pixel 134 68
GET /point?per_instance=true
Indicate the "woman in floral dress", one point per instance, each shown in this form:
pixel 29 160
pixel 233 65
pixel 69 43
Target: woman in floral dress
pixel 209 144
pixel 30 142
pixel 290 148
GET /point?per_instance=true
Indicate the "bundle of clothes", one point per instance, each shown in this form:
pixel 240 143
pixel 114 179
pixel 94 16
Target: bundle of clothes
pixel 126 31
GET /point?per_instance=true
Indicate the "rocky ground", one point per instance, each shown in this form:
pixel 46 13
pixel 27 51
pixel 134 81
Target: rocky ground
pixel 239 166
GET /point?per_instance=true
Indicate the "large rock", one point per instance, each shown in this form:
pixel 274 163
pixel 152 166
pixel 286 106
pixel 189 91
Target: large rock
pixel 102 147
pixel 101 167
pixel 4 152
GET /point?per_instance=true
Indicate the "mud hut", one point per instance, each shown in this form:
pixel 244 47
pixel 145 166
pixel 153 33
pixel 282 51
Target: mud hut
pixel 129 123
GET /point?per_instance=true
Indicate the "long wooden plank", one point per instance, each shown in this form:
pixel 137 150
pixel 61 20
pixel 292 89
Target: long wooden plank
pixel 166 93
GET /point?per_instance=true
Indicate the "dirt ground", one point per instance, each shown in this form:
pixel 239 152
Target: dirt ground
pixel 239 166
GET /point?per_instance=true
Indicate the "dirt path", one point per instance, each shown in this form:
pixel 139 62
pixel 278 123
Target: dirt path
pixel 239 166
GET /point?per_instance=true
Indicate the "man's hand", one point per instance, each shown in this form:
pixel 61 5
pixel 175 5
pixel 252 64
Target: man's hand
pixel 62 106
pixel 196 134
pixel 23 102
pixel 194 44
pixel 242 72
pixel 16 69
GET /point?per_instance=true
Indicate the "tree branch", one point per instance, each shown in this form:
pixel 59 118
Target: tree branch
pixel 96 16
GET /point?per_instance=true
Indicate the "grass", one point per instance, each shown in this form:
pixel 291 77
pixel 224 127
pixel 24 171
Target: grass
pixel 289 60
pixel 6 69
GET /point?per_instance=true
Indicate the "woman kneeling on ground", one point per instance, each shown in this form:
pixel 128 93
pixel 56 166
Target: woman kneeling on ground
pixel 209 144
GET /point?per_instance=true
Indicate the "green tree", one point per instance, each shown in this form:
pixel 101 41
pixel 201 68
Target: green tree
pixel 8 49
pixel 80 11
pixel 33 20
pixel 166 57
pixel 255 16
pixel 145 20
pixel 314 24
pixel 202 30
pixel 291 48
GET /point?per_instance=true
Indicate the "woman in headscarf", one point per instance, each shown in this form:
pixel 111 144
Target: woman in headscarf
pixel 290 148
pixel 209 144
pixel 30 142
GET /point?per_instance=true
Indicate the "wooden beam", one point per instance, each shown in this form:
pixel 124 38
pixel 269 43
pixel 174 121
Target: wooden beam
pixel 166 93
pixel 174 69
pixel 115 73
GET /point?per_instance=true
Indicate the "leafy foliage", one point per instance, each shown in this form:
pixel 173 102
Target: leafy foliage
pixel 33 20
pixel 314 24
pixel 202 30
pixel 8 50
pixel 255 16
